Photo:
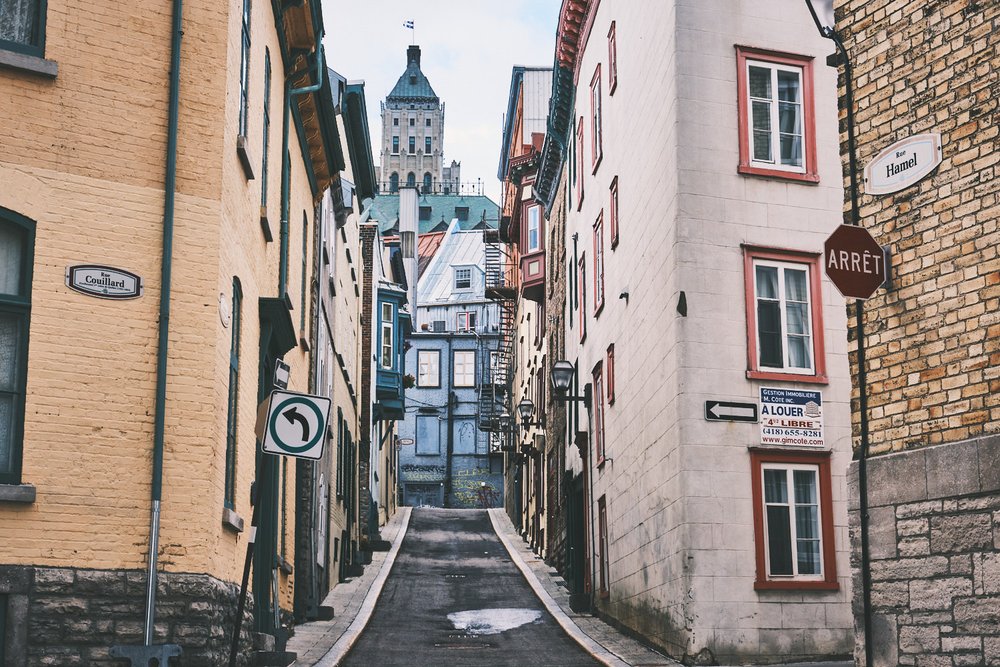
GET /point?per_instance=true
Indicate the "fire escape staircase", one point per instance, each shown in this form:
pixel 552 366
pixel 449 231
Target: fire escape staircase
pixel 497 369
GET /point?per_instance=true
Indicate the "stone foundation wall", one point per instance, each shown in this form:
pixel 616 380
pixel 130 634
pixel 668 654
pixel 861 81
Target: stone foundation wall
pixel 71 617
pixel 935 555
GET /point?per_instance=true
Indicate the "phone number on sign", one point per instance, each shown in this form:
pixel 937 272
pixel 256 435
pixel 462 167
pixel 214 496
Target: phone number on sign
pixel 791 433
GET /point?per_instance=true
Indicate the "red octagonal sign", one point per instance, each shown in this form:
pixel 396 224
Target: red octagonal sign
pixel 854 261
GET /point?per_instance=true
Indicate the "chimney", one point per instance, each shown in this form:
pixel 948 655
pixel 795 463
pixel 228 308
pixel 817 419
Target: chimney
pixel 413 55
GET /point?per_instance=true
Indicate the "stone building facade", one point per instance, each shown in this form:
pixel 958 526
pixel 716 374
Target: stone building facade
pixel 932 338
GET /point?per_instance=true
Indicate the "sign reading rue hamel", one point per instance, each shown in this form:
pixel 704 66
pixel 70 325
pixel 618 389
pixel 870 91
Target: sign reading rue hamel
pixel 105 282
pixel 854 261
pixel 296 425
pixel 902 164
pixel 791 417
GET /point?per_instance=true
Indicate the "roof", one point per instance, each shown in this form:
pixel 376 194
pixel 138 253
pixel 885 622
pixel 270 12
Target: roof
pixel 458 248
pixel 534 84
pixel 412 85
pixel 427 245
pixel 436 212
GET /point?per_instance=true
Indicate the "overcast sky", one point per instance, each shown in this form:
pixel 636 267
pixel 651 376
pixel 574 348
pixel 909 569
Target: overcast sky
pixel 467 51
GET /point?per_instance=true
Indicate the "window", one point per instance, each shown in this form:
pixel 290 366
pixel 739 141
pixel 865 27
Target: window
pixel 244 70
pixel 598 413
pixel 464 364
pixel 22 26
pixel 424 213
pixel 427 183
pixel 234 389
pixel 341 459
pixel 579 164
pixel 581 291
pixel 599 264
pixel 16 258
pixel 428 435
pixel 602 543
pixel 612 60
pixel 534 228
pixel 465 436
pixel 412 121
pixel 466 321
pixel 462 213
pixel 427 122
pixel 613 213
pixel 596 149
pixel 411 179
pixel 428 368
pixel 395 122
pixel 463 279
pixel 395 145
pixel 412 144
pixel 267 132
pixel 793 522
pixel 784 315
pixel 387 334
pixel 305 272
pixel 776 115
pixel 427 145
pixel 611 374
pixel 394 182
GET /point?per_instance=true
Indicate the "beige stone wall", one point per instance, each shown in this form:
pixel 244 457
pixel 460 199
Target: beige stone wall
pixel 932 342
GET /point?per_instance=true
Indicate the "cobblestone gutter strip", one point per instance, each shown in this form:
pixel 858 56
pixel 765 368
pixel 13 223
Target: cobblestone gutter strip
pixel 599 639
pixel 325 643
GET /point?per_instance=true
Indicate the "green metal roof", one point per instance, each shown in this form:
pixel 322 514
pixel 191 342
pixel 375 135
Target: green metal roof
pixel 412 86
pixel 472 211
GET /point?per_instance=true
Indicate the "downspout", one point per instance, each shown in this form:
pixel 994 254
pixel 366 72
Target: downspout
pixel 169 187
pixel 450 446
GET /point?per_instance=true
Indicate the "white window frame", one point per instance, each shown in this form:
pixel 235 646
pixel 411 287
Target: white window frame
pixel 789 468
pixel 428 368
pixel 534 225
pixel 782 307
pixel 775 131
pixel 463 275
pixel 387 343
pixel 464 372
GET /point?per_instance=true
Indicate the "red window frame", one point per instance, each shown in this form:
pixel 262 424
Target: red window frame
pixel 599 264
pixel 610 380
pixel 602 546
pixel 612 60
pixel 579 164
pixel 811 260
pixel 759 456
pixel 469 319
pixel 581 289
pixel 805 63
pixel 613 212
pixel 596 110
pixel 598 397
pixel 525 215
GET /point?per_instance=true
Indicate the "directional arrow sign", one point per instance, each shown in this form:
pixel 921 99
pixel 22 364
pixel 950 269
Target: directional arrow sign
pixel 721 411
pixel 295 425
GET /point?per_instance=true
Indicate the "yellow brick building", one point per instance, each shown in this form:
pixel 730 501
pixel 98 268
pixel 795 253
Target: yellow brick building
pixel 90 174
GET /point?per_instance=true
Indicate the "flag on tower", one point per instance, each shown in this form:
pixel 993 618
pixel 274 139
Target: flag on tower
pixel 408 24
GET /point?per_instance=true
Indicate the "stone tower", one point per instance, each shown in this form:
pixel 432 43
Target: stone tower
pixel 413 134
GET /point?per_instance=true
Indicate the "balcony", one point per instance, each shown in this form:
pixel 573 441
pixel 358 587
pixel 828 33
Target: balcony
pixel 389 395
pixel 533 276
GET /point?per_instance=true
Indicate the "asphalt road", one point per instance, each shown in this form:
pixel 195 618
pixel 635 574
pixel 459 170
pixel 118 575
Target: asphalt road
pixel 454 598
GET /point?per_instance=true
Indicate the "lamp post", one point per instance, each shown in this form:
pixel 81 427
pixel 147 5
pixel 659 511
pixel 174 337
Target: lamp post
pixel 525 408
pixel 562 374
pixel 824 20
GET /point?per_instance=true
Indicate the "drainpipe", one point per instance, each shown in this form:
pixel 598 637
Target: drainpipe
pixel 169 187
pixel 286 167
pixel 450 447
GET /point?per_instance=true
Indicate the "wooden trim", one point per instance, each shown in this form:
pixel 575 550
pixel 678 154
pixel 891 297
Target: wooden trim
pixel 612 59
pixel 579 165
pixel 26 62
pixel 610 379
pixel 755 372
pixel 596 121
pixel 599 268
pixel 745 166
pixel 821 459
pixel 613 212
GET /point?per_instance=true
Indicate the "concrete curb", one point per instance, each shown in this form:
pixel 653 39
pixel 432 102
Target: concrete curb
pixel 592 647
pixel 350 636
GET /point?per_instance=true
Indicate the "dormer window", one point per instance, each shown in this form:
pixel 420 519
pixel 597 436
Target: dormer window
pixel 462 213
pixel 463 279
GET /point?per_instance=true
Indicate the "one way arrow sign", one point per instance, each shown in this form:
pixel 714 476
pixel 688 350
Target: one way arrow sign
pixel 722 411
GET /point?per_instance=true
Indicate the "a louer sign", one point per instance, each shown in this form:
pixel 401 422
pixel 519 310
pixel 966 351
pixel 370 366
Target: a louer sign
pixel 902 164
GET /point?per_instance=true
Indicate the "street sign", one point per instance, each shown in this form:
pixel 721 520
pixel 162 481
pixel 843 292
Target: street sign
pixel 854 261
pixel 295 425
pixel 281 372
pixel 105 282
pixel 791 417
pixel 722 411
pixel 902 164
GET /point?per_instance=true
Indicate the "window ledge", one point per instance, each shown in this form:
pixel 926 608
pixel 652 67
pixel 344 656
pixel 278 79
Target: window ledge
pixel 232 520
pixel 803 177
pixel 792 585
pixel 265 225
pixel 284 565
pixel 17 493
pixel 244 155
pixel 778 376
pixel 26 63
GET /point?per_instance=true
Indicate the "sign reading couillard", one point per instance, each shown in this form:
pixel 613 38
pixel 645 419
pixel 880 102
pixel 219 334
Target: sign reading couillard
pixel 902 164
pixel 105 282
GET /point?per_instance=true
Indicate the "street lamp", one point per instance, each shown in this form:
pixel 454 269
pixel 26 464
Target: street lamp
pixel 562 377
pixel 525 408
pixel 825 22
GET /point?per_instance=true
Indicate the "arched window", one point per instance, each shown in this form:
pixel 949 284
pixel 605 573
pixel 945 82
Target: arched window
pixel 17 241
pixel 411 179
pixel 394 182
pixel 427 183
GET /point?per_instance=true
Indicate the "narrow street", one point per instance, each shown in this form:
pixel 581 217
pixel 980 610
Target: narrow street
pixel 454 597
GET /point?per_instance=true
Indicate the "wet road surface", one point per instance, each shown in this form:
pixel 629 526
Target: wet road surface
pixel 455 598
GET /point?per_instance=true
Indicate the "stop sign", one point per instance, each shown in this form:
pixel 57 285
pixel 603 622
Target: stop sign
pixel 854 261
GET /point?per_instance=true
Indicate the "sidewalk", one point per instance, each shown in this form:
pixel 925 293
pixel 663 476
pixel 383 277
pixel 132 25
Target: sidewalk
pixel 603 641
pixel 326 642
